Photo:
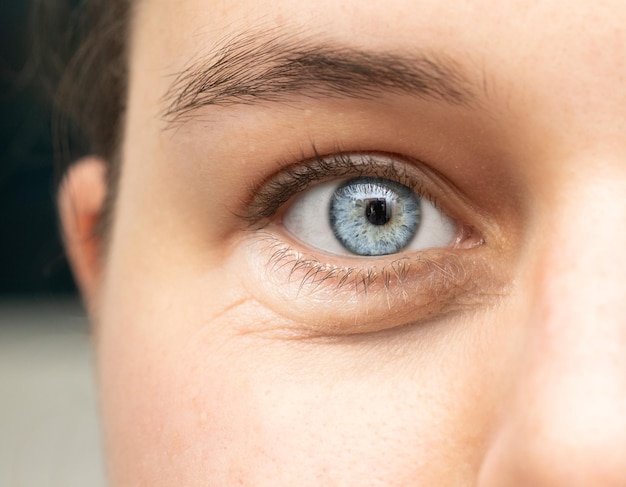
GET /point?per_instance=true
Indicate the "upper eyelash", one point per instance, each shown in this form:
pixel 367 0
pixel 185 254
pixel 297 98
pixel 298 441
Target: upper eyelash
pixel 267 199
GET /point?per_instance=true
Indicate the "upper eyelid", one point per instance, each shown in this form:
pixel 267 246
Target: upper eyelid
pixel 274 193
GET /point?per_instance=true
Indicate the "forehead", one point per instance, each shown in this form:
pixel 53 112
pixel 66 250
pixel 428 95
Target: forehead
pixel 539 63
pixel 593 30
pixel 526 41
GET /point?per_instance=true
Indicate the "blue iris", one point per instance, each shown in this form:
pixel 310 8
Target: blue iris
pixel 374 216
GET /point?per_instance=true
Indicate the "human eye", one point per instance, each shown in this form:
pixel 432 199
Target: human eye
pixel 376 239
pixel 368 216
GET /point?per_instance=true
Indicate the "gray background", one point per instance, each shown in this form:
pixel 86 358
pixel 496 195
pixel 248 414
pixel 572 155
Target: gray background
pixel 49 433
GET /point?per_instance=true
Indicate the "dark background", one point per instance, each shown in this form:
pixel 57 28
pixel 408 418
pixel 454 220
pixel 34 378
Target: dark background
pixel 32 262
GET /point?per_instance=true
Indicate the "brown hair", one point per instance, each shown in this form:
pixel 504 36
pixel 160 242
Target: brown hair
pixel 88 62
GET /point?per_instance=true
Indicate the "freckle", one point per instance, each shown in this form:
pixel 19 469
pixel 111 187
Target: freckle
pixel 203 417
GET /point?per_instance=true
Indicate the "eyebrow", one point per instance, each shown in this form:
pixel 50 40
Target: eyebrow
pixel 257 67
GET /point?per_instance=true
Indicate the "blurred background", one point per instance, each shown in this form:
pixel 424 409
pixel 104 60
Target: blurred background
pixel 49 433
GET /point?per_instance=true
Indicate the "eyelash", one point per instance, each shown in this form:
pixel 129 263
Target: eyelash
pixel 267 200
pixel 392 274
pixel 270 196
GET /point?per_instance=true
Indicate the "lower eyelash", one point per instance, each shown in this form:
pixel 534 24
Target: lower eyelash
pixel 322 296
pixel 392 276
pixel 318 274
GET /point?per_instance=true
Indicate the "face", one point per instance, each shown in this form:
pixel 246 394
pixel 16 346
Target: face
pixel 368 243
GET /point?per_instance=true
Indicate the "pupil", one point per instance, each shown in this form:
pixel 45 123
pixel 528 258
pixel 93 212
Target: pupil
pixel 376 211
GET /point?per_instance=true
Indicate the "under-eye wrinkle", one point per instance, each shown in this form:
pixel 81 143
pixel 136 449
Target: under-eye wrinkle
pixel 332 297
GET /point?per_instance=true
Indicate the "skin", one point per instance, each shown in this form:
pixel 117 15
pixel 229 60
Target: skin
pixel 215 370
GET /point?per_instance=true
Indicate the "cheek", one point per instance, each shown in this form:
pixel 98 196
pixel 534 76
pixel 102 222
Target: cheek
pixel 189 400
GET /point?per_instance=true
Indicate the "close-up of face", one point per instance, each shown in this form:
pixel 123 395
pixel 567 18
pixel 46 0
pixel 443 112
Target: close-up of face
pixel 361 244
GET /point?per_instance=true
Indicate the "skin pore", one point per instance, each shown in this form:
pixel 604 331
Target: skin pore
pixel 232 351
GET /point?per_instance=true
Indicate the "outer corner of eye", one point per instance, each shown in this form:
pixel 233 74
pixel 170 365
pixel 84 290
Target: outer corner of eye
pixel 368 216
pixel 468 238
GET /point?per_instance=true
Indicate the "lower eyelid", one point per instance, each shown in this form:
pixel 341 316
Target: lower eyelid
pixel 335 299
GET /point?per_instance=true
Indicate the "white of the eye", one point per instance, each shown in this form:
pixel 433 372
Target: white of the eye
pixel 308 221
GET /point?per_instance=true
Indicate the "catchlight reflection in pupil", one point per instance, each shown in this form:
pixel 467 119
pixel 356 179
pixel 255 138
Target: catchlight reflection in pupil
pixel 374 216
pixel 376 211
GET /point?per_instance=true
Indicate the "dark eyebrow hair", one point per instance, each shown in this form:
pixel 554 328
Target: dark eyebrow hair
pixel 257 67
